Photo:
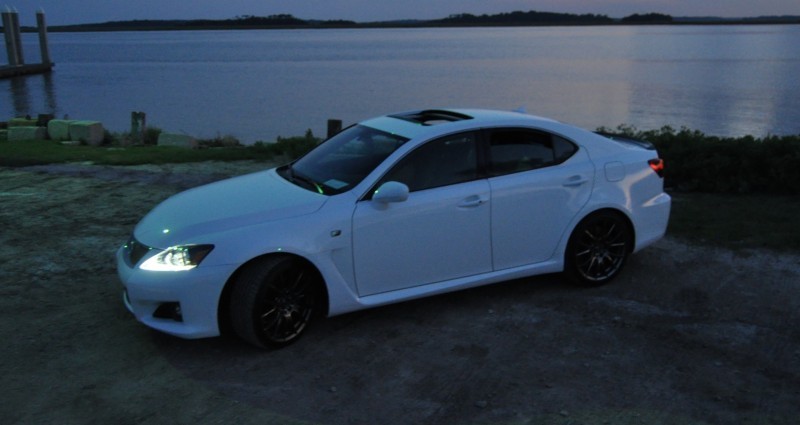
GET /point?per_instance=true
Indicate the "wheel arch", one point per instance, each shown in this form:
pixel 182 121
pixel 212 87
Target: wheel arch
pixel 602 264
pixel 613 210
pixel 223 306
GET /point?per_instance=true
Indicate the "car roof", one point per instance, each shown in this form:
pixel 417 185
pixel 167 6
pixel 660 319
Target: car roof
pixel 431 122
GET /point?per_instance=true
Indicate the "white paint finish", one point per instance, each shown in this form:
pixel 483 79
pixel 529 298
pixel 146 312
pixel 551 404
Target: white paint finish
pixel 233 203
pixel 436 235
pixel 531 210
pixel 615 171
pixel 374 253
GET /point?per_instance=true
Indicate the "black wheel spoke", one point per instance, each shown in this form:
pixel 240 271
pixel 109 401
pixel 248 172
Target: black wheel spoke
pixel 270 322
pixel 276 301
pixel 599 248
pixel 610 231
pixel 288 305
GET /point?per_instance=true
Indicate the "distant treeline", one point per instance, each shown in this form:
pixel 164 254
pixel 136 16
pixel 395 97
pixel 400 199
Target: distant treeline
pixel 245 22
pixel 648 18
pixel 548 18
pixel 526 18
pixel 518 18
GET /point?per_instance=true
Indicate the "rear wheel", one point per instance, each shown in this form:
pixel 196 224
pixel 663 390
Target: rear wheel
pixel 273 301
pixel 598 248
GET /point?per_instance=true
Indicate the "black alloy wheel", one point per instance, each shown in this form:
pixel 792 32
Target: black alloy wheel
pixel 598 248
pixel 274 300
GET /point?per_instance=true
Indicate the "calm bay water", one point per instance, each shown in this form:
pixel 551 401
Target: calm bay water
pixel 256 85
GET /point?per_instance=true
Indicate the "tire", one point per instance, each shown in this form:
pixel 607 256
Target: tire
pixel 598 249
pixel 274 300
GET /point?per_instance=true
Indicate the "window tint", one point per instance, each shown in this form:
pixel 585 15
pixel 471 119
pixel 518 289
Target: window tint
pixel 563 149
pixel 342 161
pixel 441 162
pixel 517 150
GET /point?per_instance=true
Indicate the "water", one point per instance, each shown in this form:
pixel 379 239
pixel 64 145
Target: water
pixel 256 85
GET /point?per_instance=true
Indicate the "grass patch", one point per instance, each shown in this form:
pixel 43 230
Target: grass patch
pixel 737 221
pixel 38 152
pixel 49 152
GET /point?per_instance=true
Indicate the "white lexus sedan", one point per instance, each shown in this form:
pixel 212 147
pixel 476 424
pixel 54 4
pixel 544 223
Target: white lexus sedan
pixel 393 208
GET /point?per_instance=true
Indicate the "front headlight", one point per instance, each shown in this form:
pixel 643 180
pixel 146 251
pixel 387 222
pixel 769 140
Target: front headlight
pixel 177 258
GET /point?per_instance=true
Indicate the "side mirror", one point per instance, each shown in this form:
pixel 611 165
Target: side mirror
pixel 391 192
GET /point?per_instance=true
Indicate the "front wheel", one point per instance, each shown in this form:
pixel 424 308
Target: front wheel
pixel 274 300
pixel 598 248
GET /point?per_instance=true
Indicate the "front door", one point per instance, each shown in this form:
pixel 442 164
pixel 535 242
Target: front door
pixel 441 232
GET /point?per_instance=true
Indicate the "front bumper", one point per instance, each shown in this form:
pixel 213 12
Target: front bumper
pixel 196 291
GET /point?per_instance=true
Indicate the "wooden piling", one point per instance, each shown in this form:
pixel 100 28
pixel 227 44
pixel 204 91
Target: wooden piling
pixel 43 46
pixel 16 63
pixel 334 127
pixel 17 37
pixel 138 127
pixel 11 39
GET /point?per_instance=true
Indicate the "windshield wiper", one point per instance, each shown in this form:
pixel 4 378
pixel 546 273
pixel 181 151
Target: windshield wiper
pixel 295 176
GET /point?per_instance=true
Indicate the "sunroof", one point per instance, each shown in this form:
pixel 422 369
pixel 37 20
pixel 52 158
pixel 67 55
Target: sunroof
pixel 432 116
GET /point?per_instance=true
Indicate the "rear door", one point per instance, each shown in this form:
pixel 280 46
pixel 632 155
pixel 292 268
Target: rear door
pixel 539 181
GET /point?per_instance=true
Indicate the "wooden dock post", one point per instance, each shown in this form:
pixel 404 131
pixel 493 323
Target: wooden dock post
pixel 16 62
pixel 42 26
pixel 334 127
pixel 17 36
pixel 11 39
pixel 138 126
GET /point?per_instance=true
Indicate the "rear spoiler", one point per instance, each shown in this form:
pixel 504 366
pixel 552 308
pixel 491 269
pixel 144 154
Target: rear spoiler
pixel 628 140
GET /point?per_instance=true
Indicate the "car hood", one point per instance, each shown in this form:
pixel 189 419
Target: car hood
pixel 189 216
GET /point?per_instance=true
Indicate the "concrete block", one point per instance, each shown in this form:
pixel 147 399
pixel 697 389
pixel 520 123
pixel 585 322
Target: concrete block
pixel 21 122
pixel 59 129
pixel 89 132
pixel 16 134
pixel 179 140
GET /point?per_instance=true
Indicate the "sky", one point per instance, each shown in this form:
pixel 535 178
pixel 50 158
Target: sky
pixel 65 12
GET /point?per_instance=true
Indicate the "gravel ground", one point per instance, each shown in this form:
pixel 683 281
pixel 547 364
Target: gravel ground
pixel 686 335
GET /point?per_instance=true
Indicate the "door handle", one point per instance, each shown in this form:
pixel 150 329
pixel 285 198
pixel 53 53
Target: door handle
pixel 575 181
pixel 471 202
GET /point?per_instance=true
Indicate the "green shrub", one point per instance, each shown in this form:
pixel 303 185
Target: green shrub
pixel 226 141
pixel 696 162
pixel 295 147
pixel 151 135
pixel 108 138
pixel 290 147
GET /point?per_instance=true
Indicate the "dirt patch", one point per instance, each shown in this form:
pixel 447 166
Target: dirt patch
pixel 686 335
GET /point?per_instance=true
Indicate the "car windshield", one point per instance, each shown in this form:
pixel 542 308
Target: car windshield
pixel 341 162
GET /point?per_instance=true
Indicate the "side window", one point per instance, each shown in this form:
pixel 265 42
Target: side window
pixel 517 150
pixel 563 149
pixel 441 162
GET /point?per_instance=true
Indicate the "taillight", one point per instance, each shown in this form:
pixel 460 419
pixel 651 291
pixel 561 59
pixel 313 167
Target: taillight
pixel 657 165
